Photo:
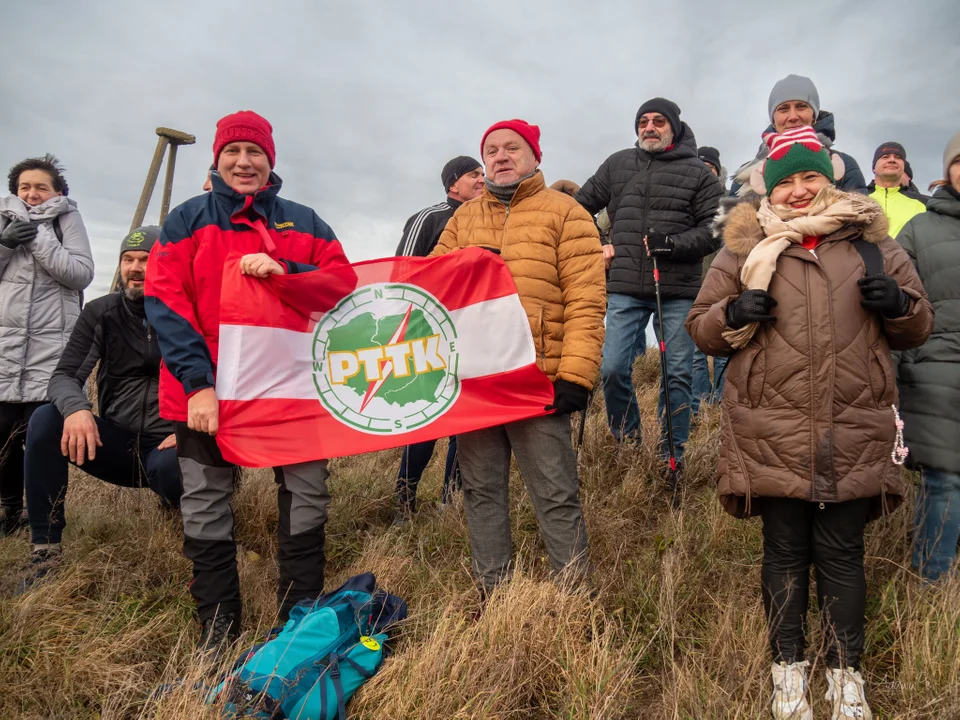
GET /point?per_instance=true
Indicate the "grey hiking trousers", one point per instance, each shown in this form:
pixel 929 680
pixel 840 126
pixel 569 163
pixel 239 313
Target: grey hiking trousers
pixel 208 542
pixel 544 452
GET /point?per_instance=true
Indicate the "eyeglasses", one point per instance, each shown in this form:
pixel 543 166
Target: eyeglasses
pixel 658 122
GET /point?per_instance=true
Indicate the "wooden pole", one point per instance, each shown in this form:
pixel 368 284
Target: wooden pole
pixel 168 182
pixel 150 184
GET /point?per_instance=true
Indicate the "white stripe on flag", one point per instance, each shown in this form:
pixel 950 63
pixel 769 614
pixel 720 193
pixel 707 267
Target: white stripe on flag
pixel 263 362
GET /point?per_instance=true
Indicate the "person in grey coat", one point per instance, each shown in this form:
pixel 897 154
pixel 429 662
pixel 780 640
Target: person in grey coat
pixel 45 263
pixel 929 376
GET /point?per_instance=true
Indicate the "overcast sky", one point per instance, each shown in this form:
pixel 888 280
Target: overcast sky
pixel 369 99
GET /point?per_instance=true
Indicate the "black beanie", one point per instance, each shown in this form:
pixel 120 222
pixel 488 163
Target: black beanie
pixel 889 148
pixel 908 171
pixel 710 155
pixel 667 108
pixel 456 169
pixel 142 238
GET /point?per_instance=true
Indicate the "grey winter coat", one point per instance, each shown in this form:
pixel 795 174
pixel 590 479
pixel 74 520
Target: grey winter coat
pixel 929 376
pixel 40 284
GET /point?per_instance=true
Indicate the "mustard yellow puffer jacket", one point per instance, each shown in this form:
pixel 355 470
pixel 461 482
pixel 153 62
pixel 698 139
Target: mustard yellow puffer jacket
pixel 552 248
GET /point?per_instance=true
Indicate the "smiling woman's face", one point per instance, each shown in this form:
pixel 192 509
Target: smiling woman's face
pixel 798 190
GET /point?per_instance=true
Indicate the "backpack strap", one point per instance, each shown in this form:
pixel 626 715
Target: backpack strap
pixel 871 256
pixel 58 231
pixel 338 687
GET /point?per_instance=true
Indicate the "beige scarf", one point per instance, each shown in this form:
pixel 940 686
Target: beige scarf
pixel 830 210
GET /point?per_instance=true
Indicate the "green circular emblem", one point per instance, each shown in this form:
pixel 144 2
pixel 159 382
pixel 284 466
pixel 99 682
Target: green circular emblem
pixel 385 359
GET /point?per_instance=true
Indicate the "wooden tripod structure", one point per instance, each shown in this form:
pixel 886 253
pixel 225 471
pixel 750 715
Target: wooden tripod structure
pixel 167 139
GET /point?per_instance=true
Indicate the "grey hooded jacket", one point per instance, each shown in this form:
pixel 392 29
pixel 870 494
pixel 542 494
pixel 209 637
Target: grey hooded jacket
pixel 929 376
pixel 40 284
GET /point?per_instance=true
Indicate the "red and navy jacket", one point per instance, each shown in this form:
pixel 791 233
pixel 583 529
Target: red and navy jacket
pixel 185 273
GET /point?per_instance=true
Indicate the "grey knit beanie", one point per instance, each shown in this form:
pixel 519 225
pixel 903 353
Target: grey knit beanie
pixel 141 238
pixel 794 87
pixel 950 154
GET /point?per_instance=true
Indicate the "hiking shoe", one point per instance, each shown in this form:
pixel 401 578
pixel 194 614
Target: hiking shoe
pixel 790 691
pixel 42 563
pixel 845 692
pixel 218 632
pixel 12 520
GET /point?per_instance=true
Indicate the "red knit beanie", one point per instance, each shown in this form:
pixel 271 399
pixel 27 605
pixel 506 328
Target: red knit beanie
pixel 530 133
pixel 244 126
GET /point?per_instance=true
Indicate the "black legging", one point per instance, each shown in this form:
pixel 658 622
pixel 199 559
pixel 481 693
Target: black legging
pixel 14 418
pixel 796 534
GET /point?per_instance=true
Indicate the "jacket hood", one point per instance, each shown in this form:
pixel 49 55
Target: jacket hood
pixel 944 202
pixel 742 230
pixel 684 146
pixel 13 208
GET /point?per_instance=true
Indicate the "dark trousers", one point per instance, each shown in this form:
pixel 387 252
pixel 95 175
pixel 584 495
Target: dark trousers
pixel 412 464
pixel 125 460
pixel 14 418
pixel 796 534
pixel 208 526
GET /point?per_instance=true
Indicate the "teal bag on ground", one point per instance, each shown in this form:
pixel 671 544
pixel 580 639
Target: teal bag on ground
pixel 311 667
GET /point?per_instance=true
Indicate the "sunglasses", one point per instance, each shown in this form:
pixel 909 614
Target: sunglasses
pixel 658 122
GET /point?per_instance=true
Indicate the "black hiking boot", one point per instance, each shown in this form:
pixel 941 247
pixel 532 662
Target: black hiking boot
pixel 12 520
pixel 218 632
pixel 42 563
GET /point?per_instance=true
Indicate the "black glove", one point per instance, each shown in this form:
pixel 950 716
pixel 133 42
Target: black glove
pixel 568 397
pixel 751 306
pixel 881 293
pixel 495 251
pixel 17 233
pixel 659 245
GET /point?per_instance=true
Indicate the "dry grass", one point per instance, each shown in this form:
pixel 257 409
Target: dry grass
pixel 676 631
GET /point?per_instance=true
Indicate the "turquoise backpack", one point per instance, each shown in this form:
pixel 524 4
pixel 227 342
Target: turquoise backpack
pixel 309 668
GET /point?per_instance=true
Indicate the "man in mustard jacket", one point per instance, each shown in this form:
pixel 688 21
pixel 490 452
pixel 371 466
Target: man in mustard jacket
pixel 551 246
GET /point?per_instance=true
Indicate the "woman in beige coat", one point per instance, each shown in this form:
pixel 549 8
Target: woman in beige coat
pixel 809 429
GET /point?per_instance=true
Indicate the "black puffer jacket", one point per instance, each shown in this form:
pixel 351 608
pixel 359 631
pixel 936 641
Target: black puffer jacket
pixel 114 331
pixel 676 194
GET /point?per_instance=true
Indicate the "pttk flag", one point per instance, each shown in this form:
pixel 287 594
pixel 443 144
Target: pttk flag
pixel 371 356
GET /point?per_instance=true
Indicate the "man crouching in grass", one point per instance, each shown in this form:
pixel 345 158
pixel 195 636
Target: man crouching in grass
pixel 129 444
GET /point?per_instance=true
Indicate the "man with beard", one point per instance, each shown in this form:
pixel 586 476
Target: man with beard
pixel 661 200
pixel 128 444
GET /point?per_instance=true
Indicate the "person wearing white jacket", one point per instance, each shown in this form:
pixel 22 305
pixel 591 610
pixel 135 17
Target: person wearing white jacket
pixel 45 263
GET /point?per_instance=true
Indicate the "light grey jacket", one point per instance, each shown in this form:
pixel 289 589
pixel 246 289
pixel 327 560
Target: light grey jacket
pixel 40 284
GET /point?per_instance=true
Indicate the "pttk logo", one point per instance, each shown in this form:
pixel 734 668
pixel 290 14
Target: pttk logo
pixel 385 359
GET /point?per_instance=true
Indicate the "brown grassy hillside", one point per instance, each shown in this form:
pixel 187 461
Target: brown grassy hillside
pixel 677 629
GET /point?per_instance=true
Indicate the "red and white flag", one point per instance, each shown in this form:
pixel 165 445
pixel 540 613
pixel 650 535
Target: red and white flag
pixel 371 356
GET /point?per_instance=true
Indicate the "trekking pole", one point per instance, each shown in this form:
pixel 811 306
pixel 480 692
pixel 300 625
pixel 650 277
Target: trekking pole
pixel 583 425
pixel 664 382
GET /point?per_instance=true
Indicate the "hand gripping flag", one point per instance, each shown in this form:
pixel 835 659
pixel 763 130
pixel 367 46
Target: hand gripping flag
pixel 371 356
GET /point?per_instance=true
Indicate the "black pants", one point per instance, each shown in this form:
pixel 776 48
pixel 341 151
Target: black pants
pixel 14 418
pixel 208 526
pixel 414 461
pixel 796 534
pixel 126 460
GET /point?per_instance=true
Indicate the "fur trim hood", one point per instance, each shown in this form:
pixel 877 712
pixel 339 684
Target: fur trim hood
pixel 742 231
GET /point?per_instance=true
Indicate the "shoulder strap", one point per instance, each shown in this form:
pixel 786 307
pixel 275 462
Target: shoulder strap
pixel 58 231
pixel 871 256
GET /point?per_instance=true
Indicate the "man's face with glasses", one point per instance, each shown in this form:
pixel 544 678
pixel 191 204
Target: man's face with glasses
pixel 654 132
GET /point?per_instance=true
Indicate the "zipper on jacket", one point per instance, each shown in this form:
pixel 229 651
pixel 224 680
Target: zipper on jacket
pixel 503 240
pixel 146 388
pixel 813 390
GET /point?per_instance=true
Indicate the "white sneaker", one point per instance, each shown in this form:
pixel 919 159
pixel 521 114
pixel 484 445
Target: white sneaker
pixel 790 691
pixel 845 691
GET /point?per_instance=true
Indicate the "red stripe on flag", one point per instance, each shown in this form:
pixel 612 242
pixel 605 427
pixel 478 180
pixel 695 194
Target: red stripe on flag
pixel 296 302
pixel 264 433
